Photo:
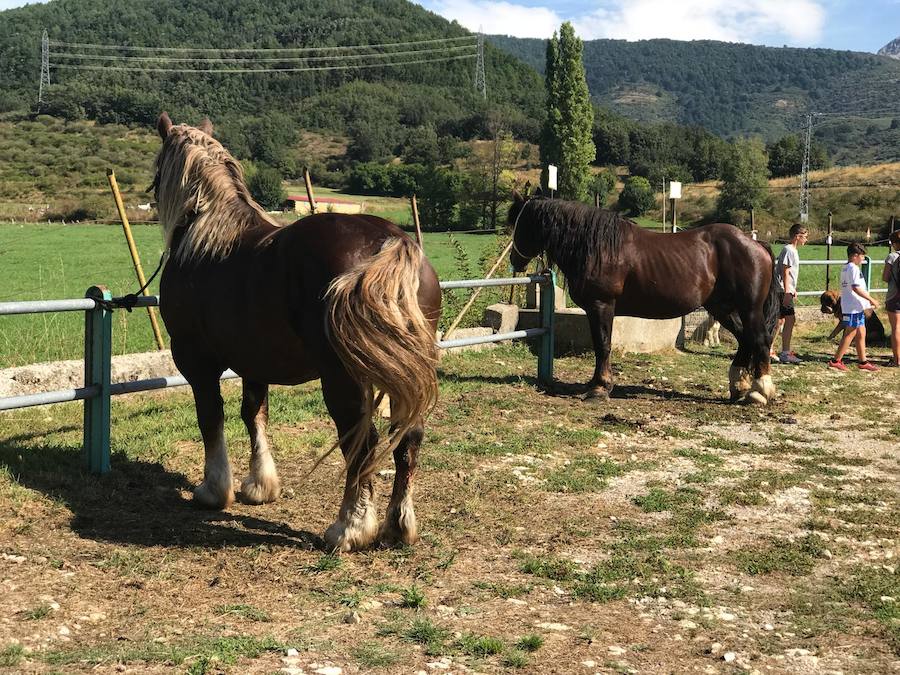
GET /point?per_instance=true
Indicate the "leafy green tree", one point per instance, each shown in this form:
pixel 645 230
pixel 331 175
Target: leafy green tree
pixel 602 184
pixel 266 188
pixel 744 178
pixel 786 156
pixel 637 196
pixel 567 140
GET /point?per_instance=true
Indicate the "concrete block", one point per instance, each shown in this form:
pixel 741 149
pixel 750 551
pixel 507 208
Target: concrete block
pixel 630 334
pixel 533 296
pixel 460 333
pixel 502 318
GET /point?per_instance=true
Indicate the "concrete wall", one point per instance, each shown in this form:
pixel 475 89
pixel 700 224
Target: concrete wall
pixel 630 334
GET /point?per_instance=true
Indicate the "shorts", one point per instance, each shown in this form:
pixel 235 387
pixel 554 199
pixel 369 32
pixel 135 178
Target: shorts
pixel 789 309
pixel 893 304
pixel 855 320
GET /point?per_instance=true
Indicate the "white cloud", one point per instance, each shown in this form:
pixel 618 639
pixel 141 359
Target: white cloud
pixel 499 18
pixel 798 22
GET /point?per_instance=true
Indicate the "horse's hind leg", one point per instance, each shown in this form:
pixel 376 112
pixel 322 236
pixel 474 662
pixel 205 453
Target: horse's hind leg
pixel 262 485
pixel 399 525
pixel 740 381
pixel 600 319
pixel 357 524
pixel 762 388
pixel 217 490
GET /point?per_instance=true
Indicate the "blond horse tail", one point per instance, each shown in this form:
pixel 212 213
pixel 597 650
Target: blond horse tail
pixel 383 339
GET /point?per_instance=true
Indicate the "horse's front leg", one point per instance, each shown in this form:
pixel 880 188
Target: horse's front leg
pixel 262 484
pixel 399 525
pixel 600 319
pixel 217 490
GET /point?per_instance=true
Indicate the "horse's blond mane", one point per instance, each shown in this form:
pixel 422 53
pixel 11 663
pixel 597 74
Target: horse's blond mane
pixel 201 185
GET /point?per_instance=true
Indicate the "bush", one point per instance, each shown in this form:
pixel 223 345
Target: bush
pixel 266 188
pixel 637 196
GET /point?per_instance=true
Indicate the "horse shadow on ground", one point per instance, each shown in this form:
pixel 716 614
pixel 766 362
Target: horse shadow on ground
pixel 138 502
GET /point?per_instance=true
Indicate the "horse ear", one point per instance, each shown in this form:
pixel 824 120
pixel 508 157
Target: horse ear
pixel 163 125
pixel 206 126
pixel 537 191
pixel 517 198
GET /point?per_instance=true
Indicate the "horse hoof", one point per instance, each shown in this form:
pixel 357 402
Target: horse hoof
pixel 392 536
pixel 756 398
pixel 598 394
pixel 216 499
pixel 343 538
pixel 256 490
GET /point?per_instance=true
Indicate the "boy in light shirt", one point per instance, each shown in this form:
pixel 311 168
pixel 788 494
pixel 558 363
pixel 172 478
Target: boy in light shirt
pixel 855 300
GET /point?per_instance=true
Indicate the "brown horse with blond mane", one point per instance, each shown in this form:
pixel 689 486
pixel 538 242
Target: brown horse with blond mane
pixel 348 299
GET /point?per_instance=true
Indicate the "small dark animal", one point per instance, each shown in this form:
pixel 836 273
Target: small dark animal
pixel 831 304
pixel 615 267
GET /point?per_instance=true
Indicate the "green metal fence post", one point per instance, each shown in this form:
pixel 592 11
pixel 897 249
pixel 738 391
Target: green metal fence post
pixel 548 315
pixel 97 357
pixel 867 272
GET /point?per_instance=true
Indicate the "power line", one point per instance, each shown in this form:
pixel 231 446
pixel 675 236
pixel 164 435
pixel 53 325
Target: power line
pixel 67 66
pixel 83 45
pixel 285 59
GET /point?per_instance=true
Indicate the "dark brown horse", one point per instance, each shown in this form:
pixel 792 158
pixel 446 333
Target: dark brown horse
pixel 348 299
pixel 615 267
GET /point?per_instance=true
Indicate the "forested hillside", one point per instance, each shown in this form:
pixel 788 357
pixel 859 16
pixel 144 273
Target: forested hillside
pixel 738 89
pixel 437 93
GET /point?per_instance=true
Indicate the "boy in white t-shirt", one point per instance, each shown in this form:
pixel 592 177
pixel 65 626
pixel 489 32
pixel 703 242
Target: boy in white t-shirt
pixel 855 300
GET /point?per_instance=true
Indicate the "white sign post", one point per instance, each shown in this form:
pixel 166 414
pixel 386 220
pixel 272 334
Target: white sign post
pixel 674 194
pixel 551 176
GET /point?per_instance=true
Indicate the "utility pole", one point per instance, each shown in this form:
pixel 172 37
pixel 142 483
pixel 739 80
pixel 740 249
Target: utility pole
pixel 480 83
pixel 804 174
pixel 45 68
pixel 664 204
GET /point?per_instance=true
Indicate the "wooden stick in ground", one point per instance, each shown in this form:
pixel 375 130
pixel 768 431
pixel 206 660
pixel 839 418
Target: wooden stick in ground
pixel 415 214
pixel 309 192
pixel 135 258
pixel 477 291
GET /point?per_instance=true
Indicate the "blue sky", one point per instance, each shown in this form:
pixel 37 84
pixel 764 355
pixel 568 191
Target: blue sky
pixel 860 25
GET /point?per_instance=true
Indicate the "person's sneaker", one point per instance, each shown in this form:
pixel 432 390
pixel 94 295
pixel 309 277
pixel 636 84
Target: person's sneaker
pixel 837 365
pixel 789 357
pixel 868 365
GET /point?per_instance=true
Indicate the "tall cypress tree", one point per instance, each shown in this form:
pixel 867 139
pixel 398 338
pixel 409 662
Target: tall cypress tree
pixel 566 140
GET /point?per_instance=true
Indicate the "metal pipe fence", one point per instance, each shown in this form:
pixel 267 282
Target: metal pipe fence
pixel 865 268
pixel 98 390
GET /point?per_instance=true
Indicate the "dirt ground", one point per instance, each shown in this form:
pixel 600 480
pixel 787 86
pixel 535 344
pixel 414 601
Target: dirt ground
pixel 662 531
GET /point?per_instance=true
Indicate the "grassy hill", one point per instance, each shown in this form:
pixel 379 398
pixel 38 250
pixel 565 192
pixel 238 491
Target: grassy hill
pixel 740 89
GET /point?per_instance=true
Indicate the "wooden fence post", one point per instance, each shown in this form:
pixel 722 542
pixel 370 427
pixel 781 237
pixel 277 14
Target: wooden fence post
pixel 309 192
pixel 135 258
pixel 828 252
pixel 415 214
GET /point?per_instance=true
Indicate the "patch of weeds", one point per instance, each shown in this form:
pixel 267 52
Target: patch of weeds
pixel 548 567
pixel 504 591
pixel 796 558
pixel 530 643
pixel 879 591
pixel 515 658
pixel 636 572
pixel 351 600
pixel 413 598
pixel 719 443
pixel 424 632
pixel 327 563
pixel 481 645
pixel 699 457
pixel 11 656
pixel 248 612
pixel 37 613
pixel 585 473
pixel 819 468
pixel 224 650
pixel 661 500
pixel 127 562
pixel 374 655
pixel 735 496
